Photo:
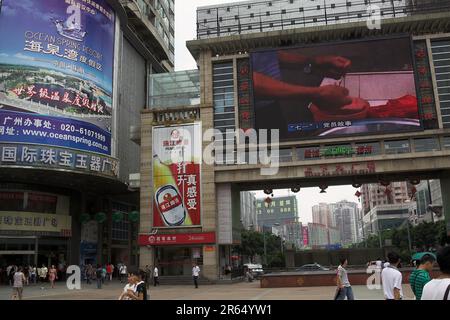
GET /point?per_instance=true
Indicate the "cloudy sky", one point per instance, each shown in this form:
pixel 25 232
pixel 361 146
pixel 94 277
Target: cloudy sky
pixel 185 29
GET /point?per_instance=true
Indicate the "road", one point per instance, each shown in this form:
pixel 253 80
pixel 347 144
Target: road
pixel 237 291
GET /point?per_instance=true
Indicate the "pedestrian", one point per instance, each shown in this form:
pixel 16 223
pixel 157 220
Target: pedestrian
pixel 439 289
pixel 19 279
pixel 421 276
pixel 155 276
pixel 129 286
pixel 344 289
pixel 32 274
pixel 391 278
pixel 148 274
pixel 43 274
pixel 104 274
pixel 98 276
pixel 109 271
pixel 52 276
pixel 195 274
pixel 88 273
pixel 122 272
pixel 140 292
pixel 11 271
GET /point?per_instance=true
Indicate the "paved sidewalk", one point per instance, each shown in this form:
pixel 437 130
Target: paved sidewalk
pixel 237 291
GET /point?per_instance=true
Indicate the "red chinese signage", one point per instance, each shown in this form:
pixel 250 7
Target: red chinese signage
pixel 425 86
pixel 305 236
pixel 246 114
pixel 340 169
pixel 177 239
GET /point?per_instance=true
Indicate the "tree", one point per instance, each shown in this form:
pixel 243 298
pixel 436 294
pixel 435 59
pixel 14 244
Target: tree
pixel 252 245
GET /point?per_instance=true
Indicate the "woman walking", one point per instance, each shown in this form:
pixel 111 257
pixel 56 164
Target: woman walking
pixel 52 276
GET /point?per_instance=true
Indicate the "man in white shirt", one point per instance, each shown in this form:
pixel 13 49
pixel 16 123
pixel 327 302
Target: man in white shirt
pixel 156 276
pixel 439 289
pixel 195 274
pixel 391 278
pixel 123 272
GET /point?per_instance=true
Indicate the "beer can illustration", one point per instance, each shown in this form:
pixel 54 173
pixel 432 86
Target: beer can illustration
pixel 170 205
pixel 168 199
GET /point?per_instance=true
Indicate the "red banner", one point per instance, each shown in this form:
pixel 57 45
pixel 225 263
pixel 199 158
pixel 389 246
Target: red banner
pixel 177 239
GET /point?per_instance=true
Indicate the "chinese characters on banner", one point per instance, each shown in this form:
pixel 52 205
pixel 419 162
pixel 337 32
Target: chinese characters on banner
pixel 315 153
pixel 340 169
pixel 246 112
pixel 176 176
pixel 54 158
pixel 59 66
pixel 425 86
pixel 37 222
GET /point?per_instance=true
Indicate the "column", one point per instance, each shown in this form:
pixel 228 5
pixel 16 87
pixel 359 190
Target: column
pixel 445 189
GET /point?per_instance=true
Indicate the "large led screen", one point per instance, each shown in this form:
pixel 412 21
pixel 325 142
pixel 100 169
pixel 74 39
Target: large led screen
pixel 363 87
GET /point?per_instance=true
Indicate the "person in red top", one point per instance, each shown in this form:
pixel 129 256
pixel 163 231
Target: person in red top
pixel 109 271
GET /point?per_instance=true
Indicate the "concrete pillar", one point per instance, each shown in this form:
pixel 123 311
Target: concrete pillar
pixel 77 207
pixel 445 189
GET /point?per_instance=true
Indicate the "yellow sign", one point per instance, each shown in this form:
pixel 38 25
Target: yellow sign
pixel 30 221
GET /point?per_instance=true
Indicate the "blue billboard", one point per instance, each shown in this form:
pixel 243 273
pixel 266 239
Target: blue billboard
pixel 56 67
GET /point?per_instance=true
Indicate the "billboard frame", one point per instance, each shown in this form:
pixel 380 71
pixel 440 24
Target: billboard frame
pixel 337 137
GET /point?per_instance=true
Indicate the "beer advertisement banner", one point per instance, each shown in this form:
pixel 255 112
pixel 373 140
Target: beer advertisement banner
pixel 176 176
pixel 56 73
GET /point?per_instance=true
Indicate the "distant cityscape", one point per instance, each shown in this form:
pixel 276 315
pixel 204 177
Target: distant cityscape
pixel 344 223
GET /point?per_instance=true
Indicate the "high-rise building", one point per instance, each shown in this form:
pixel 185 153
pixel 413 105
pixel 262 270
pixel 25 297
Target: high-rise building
pixel 321 214
pixel 374 194
pixel 248 210
pixel 279 211
pixel 74 198
pixel 346 216
pixel 425 191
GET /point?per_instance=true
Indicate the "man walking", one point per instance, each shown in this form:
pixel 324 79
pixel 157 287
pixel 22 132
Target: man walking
pixel 439 289
pixel 421 276
pixel 123 272
pixel 155 276
pixel 344 288
pixel 195 274
pixel 391 278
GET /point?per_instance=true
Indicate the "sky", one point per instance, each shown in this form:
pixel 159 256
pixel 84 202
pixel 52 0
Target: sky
pixel 185 30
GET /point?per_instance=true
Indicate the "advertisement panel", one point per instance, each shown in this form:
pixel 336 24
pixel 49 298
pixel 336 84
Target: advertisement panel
pixel 177 239
pixel 37 222
pixel 363 87
pixel 56 73
pixel 176 176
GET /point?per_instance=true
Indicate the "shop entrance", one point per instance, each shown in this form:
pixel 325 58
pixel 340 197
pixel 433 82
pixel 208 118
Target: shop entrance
pixel 177 261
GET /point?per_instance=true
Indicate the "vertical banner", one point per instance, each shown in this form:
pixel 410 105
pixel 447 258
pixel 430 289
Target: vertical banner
pixel 305 236
pixel 246 111
pixel 176 176
pixel 56 73
pixel 425 91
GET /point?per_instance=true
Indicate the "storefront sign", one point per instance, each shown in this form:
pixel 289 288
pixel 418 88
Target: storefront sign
pixel 56 158
pixel 338 151
pixel 177 239
pixel 36 222
pixel 176 176
pixel 340 169
pixel 210 248
pixel 56 73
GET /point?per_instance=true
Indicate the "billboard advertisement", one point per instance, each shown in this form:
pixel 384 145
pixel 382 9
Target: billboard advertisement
pixel 56 73
pixel 176 176
pixel 362 87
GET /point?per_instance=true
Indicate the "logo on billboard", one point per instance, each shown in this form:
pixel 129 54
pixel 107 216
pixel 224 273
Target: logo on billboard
pixel 71 28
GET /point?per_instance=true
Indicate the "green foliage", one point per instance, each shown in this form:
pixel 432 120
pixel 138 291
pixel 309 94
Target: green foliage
pixel 252 245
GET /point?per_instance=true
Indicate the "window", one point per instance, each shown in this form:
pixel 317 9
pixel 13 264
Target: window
pixel 308 153
pixel 398 146
pixel 426 144
pixel 285 155
pixel 366 149
pixel 441 59
pixel 288 202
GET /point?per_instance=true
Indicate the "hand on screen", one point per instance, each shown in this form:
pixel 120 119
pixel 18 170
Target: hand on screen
pixel 332 66
pixel 331 98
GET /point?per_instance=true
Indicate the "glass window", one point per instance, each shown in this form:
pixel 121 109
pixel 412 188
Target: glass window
pixel 41 203
pixel 426 144
pixel 285 155
pixel 397 146
pixel 11 201
pixel 446 141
